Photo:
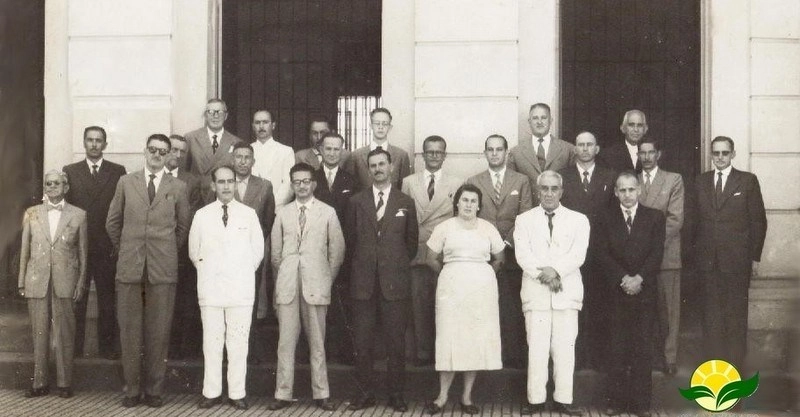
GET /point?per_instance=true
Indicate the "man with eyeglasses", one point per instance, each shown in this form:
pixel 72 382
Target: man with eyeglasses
pixel 381 124
pixel 623 156
pixel 731 228
pixel 663 190
pixel 148 223
pixel 92 184
pixel 210 145
pixel 308 250
pixel 432 191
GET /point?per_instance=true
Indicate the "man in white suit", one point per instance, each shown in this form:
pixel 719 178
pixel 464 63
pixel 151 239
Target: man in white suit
pixel 226 246
pixel 551 242
pixel 307 252
pixel 432 192
pixel 273 160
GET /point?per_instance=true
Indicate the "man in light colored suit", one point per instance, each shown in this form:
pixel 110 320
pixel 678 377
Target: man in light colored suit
pixel 381 124
pixel 52 273
pixel 211 145
pixel 509 195
pixel 550 242
pixel 148 222
pixel 273 160
pixel 308 252
pixel 543 151
pixel 432 192
pixel 663 190
pixel 226 245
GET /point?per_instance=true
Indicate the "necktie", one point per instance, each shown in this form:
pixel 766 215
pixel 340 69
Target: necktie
pixel 550 222
pixel 430 188
pixel 330 180
pixel 170 173
pixel 151 188
pixel 94 170
pixel 380 209
pixel 585 181
pixel 58 207
pixel 540 154
pixel 718 187
pixel 628 220
pixel 215 144
pixel 497 186
pixel 225 215
pixel 646 182
pixel 302 220
pixel 379 147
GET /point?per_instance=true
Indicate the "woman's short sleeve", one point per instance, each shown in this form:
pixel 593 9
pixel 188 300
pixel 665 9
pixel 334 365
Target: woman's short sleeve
pixel 436 241
pixel 496 241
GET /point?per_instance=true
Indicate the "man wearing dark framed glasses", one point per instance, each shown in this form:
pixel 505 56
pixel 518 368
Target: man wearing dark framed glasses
pixel 210 145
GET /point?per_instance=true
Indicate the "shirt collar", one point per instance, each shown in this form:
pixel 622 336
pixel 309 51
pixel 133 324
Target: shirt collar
pixel 590 170
pixel 174 172
pixel 211 134
pixel 158 174
pixel 653 173
pixel 270 140
pixel 556 210
pixel 436 175
pixel 725 172
pixel 245 180
pixel 384 146
pixel 332 171
pixel 60 204
pixel 502 172
pixel 308 204
pixel 99 163
pixel 632 209
pixel 375 191
pixel 545 141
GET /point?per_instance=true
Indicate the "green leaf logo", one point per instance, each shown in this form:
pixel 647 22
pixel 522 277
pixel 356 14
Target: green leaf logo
pixel 717 386
pixel 737 389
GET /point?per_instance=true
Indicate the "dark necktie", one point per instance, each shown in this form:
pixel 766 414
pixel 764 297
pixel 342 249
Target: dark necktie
pixel 540 154
pixel 379 148
pixel 718 186
pixel 215 144
pixel 170 173
pixel 302 220
pixel 151 188
pixel 380 205
pixel 586 181
pixel 225 215
pixel 430 188
pixel 94 171
pixel 550 222
pixel 628 220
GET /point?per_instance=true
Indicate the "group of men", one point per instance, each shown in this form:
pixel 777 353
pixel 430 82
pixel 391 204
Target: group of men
pixel 592 254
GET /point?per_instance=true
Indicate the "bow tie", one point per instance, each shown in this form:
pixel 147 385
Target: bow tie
pixel 58 207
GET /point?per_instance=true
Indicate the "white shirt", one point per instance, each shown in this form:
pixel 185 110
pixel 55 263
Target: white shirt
pixel 330 173
pixel 633 150
pixel 273 161
pixel 99 163
pixel 590 171
pixel 53 217
pixel 384 145
pixel 436 177
pixel 156 180
pixel 493 174
pixel 546 139
pixel 725 173
pixel 174 172
pixel 385 191
pixel 211 134
pixel 652 175
pixel 241 185
pixel 308 205
pixel 632 210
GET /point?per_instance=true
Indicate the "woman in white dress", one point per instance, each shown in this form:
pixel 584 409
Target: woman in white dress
pixel 466 252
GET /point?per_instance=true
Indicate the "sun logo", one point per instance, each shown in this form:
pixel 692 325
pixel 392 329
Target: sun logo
pixel 717 386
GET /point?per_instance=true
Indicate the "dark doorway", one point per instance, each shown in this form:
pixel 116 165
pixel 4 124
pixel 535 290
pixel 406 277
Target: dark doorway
pixel 296 57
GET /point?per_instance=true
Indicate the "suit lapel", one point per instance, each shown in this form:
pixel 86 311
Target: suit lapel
pixel 368 204
pixel 66 214
pixel 529 152
pixel 656 184
pixel 103 176
pixel 204 141
pixel 253 189
pixel 225 143
pixel 166 182
pixel 731 185
pixel 391 208
pixel 44 222
pixel 554 151
pixel 141 186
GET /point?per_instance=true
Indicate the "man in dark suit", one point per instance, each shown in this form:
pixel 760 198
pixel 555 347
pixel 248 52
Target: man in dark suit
pixel 509 195
pixel 623 156
pixel 148 222
pixel 92 185
pixel 732 225
pixel 335 186
pixel 312 155
pixel 356 163
pixel 210 145
pixel 382 237
pixel 589 189
pixel 187 331
pixel 543 151
pixel 630 249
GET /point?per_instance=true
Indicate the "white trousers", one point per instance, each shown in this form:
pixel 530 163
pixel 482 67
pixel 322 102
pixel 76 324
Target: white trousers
pixel 229 328
pixel 551 333
pixel 290 319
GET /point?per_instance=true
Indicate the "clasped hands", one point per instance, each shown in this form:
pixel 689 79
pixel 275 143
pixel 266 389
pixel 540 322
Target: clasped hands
pixel 548 276
pixel 632 284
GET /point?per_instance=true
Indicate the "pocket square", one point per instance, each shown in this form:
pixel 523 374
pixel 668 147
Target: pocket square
pixel 230 150
pixel 739 193
pixel 515 192
pixel 400 213
pixel 345 191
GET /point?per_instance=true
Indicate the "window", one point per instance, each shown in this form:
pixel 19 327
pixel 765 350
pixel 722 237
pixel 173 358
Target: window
pixel 353 119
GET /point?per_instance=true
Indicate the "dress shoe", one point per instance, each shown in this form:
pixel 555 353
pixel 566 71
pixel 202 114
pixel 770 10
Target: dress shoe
pixel 240 404
pixel 432 408
pixel 469 408
pixel 153 401
pixel 528 408
pixel 398 403
pixel 672 369
pixel 278 404
pixel 209 402
pixel 65 392
pixel 325 404
pixel 611 411
pixel 362 403
pixel 566 409
pixel 37 392
pixel 129 402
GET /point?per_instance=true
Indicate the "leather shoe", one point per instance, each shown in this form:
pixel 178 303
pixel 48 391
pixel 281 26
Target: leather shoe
pixel 65 392
pixel 153 401
pixel 469 408
pixel 431 408
pixel 209 402
pixel 528 408
pixel 672 369
pixel 37 392
pixel 362 403
pixel 129 402
pixel 278 404
pixel 325 404
pixel 240 404
pixel 566 409
pixel 611 411
pixel 398 403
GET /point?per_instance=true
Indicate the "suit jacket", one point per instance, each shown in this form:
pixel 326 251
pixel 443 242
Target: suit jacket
pixel 308 156
pixel 381 252
pixel 640 252
pixel 193 189
pixel 430 212
pixel 522 158
pixel 599 197
pixel 618 159
pixel 200 158
pixel 515 199
pixel 94 196
pixel 730 232
pixel 260 198
pixel 148 235
pixel 357 165
pixel 313 259
pixel 665 193
pixel 62 258
pixel 344 187
pixel 226 256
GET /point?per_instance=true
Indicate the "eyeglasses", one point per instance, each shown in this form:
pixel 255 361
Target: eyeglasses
pixel 382 124
pixel 153 150
pixel 304 181
pixel 215 112
pixel 52 183
pixel 435 154
pixel 720 153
